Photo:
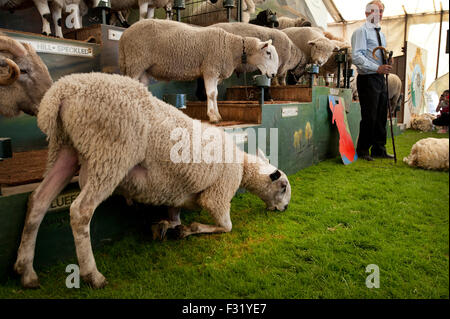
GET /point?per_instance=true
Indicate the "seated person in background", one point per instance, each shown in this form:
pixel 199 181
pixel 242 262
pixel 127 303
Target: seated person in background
pixel 443 107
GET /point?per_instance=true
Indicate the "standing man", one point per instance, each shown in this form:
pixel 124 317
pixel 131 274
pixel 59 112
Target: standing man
pixel 371 84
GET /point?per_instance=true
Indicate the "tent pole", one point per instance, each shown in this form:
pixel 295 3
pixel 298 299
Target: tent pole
pixel 439 45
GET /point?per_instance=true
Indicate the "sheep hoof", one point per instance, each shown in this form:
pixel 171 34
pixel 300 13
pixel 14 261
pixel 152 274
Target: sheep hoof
pixel 159 230
pixel 180 231
pixel 30 281
pixel 95 280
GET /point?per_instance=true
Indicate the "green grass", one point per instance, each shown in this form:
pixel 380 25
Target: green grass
pixel 340 219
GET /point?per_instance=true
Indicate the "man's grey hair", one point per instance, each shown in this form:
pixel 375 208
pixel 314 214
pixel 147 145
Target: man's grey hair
pixel 370 5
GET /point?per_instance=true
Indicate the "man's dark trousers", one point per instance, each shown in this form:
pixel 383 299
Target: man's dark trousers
pixel 373 100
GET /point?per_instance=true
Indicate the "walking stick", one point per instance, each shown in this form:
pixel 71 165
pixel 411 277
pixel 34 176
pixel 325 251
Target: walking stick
pixel 389 53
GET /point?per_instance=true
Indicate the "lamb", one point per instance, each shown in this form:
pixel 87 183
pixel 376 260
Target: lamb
pixel 291 58
pixel 422 122
pixel 285 22
pixel 314 44
pixel 125 139
pixel 24 78
pixel 429 153
pixel 170 50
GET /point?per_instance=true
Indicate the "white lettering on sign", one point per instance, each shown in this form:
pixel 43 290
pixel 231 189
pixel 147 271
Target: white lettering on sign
pixel 289 111
pixel 63 201
pixel 114 35
pixel 334 91
pixel 58 48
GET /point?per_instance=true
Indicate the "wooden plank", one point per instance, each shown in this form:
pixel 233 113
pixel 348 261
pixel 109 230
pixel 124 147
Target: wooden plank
pixel 239 112
pixel 278 93
pixel 23 168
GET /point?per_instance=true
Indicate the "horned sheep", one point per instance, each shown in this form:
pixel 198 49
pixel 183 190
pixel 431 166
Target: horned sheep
pixel 24 78
pixel 125 139
pixel 291 58
pixel 169 50
pixel 314 44
pixel 429 153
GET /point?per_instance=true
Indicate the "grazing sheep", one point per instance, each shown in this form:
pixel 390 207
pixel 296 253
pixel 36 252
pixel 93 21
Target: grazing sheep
pixel 169 50
pixel 314 44
pixel 124 138
pixel 422 122
pixel 24 78
pixel 285 22
pixel 429 153
pixel 291 58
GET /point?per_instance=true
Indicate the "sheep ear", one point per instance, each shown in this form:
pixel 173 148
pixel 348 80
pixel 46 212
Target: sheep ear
pixel 266 44
pixel 275 175
pixel 261 155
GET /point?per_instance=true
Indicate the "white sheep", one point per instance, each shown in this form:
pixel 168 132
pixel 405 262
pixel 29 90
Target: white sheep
pixel 314 44
pixel 291 58
pixel 395 91
pixel 169 50
pixel 429 153
pixel 285 22
pixel 24 78
pixel 422 122
pixel 124 138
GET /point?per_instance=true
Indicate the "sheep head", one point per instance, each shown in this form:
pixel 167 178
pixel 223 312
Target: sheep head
pixel 24 78
pixel 263 55
pixel 321 50
pixel 267 182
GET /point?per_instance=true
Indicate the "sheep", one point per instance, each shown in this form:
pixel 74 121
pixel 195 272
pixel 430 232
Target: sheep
pixel 429 153
pixel 291 58
pixel 208 13
pixel 285 22
pixel 395 91
pixel 266 18
pixel 169 50
pixel 314 44
pixel 24 78
pixel 422 122
pixel 127 140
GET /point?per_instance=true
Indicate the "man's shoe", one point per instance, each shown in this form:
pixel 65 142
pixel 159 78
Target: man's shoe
pixel 383 155
pixel 366 157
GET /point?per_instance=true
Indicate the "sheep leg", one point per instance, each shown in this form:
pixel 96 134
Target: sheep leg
pixel 98 187
pixel 54 182
pixel 143 10
pixel 57 20
pixel 275 81
pixel 159 230
pixel 150 13
pixel 211 93
pixel 216 200
pixel 44 11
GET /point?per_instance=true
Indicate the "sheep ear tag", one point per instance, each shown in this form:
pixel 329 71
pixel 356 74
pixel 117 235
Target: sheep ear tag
pixel 275 175
pixel 346 146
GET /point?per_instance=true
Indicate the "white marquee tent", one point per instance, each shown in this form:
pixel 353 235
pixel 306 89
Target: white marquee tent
pixel 419 19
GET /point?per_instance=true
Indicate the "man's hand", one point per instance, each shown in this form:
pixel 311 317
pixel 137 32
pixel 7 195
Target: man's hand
pixel 384 69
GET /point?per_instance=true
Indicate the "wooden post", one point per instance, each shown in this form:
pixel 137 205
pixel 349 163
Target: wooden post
pixel 439 43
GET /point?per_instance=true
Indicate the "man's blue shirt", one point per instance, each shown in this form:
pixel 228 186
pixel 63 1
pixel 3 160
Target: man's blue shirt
pixel 364 40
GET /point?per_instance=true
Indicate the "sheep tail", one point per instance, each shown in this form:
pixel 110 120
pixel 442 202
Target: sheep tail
pixel 50 122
